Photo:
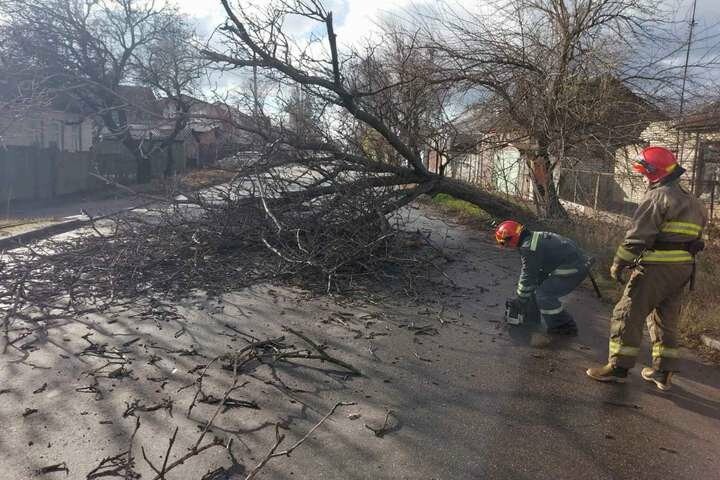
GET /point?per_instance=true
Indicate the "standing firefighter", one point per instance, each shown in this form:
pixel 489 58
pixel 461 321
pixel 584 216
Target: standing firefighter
pixel 660 248
pixel 552 267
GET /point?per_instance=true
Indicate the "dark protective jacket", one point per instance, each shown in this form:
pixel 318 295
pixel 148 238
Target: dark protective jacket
pixel 665 222
pixel 544 254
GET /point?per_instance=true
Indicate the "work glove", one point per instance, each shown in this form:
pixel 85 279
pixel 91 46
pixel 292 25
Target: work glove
pixel 522 303
pixel 696 246
pixel 616 272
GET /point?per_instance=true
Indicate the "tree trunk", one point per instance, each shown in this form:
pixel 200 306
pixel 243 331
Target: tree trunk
pixel 169 162
pixel 144 169
pixel 554 208
pixel 494 205
pixel 143 165
pixel 541 173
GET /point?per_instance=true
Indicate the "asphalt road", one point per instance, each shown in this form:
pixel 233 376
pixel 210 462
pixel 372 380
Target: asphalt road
pixel 474 401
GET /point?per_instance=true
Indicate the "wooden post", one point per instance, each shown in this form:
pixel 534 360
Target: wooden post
pixel 712 200
pixel 54 171
pixel 575 189
pixel 695 162
pixel 597 191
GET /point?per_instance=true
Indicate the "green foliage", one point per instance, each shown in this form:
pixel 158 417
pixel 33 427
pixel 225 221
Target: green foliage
pixel 460 207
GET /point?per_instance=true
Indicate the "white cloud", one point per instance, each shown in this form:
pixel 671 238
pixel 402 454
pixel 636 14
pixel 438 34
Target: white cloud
pixel 360 20
pixel 354 19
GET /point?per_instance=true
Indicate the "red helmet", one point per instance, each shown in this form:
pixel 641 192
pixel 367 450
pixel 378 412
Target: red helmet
pixel 508 233
pixel 655 163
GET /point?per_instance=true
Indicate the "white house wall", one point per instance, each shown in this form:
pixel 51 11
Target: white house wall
pixel 69 132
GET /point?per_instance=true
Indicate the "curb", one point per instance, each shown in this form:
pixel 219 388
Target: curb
pixel 19 240
pixel 710 342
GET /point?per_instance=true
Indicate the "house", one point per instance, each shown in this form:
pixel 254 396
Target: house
pixel 487 151
pixel 700 147
pixel 41 119
pixel 495 152
pixel 695 140
pixel 45 142
pixel 216 127
pixel 149 129
pixel 203 124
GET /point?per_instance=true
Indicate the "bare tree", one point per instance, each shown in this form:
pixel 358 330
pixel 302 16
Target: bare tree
pixel 21 92
pixel 90 49
pixel 559 72
pixel 172 67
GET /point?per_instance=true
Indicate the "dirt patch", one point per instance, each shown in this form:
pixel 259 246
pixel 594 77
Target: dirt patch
pixel 206 178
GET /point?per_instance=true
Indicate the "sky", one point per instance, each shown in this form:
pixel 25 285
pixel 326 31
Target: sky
pixel 355 20
pixel 352 18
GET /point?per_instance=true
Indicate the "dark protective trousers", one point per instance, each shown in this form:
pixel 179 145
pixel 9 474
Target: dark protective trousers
pixel 550 291
pixel 653 295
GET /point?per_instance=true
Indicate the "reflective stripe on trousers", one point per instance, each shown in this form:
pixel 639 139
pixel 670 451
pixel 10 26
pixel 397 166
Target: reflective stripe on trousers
pixel 552 311
pixel 661 351
pixel 562 272
pixel 616 348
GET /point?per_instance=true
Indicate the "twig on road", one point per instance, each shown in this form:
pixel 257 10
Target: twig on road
pixel 279 438
pixel 321 354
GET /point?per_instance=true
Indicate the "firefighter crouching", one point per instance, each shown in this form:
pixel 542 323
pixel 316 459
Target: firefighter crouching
pixel 552 267
pixel 659 249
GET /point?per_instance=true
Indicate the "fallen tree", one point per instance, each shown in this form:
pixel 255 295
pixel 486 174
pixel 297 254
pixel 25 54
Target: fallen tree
pixel 376 99
pixel 316 203
pixel 316 195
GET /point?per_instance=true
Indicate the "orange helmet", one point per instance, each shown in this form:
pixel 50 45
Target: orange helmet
pixel 508 233
pixel 655 163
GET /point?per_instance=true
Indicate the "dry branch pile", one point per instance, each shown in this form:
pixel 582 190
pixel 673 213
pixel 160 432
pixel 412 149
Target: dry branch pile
pixel 316 224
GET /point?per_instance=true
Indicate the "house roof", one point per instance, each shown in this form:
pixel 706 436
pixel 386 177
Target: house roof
pixel 32 96
pixel 140 99
pixel 704 119
pixel 617 115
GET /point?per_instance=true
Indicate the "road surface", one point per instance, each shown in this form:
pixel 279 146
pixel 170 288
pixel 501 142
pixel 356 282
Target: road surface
pixel 474 401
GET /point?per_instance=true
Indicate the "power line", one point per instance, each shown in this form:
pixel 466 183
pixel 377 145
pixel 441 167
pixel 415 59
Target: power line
pixel 684 81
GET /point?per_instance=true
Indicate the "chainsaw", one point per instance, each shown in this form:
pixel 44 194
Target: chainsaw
pixel 514 315
pixel 517 315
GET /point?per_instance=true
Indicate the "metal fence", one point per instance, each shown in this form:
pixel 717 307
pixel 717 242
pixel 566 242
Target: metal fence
pixel 35 173
pixel 617 193
pixel 611 195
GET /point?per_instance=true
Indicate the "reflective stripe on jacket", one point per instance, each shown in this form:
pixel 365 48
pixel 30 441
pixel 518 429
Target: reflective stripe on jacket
pixel 668 214
pixel 544 254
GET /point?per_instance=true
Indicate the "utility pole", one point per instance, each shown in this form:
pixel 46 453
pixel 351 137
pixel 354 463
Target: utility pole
pixel 680 146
